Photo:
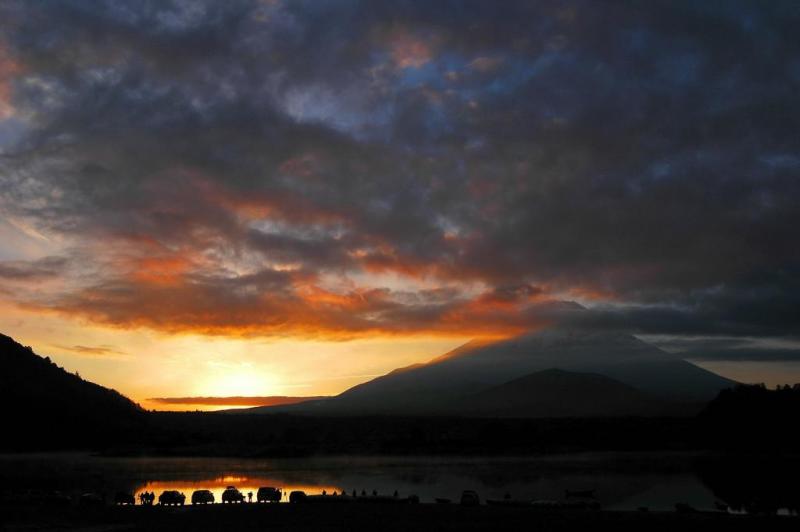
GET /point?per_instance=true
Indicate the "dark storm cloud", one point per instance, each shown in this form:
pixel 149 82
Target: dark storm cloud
pixel 638 155
pixel 766 305
pixel 730 349
pixel 45 268
pixel 746 354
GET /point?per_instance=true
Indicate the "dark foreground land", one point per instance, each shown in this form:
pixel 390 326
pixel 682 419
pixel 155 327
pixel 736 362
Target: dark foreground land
pixel 369 517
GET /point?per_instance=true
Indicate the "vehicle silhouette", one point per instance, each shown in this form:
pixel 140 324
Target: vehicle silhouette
pixel 232 495
pixel 171 498
pixel 269 494
pixel 202 497
pixel 297 496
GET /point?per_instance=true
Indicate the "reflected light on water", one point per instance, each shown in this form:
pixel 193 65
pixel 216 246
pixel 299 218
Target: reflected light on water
pixel 218 485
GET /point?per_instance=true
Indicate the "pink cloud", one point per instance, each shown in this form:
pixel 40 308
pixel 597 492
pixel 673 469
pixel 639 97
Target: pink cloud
pixel 410 51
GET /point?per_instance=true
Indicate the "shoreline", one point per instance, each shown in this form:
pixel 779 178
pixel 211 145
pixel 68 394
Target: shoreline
pixel 375 516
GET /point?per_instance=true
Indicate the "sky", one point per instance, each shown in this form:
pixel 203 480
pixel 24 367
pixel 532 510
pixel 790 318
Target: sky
pixel 256 198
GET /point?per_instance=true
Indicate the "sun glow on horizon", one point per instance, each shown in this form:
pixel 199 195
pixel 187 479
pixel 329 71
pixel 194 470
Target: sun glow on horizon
pixel 143 364
pixel 239 382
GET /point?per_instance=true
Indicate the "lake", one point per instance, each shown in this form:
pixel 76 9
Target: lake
pixel 621 481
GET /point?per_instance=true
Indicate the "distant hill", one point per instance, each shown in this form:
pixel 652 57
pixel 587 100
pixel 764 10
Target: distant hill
pixel 559 393
pixel 274 401
pixel 439 386
pixel 46 406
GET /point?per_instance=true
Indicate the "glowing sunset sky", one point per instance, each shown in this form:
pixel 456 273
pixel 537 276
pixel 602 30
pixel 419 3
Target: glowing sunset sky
pixel 288 198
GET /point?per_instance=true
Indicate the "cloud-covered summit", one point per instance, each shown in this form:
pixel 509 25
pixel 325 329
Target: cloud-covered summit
pixel 339 169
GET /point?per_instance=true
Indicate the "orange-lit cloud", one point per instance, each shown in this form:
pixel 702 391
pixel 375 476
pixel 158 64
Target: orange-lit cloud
pixel 161 270
pixel 256 205
pixel 275 303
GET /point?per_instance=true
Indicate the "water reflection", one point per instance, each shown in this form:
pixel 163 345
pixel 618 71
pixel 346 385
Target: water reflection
pixel 247 485
pixel 621 481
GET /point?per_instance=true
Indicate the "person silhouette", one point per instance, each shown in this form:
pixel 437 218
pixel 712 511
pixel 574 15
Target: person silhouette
pixel 374 493
pixel 249 496
pixel 396 494
pixel 324 492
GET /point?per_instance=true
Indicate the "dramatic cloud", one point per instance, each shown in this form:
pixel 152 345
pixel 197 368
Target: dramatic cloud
pixel 341 169
pixel 44 268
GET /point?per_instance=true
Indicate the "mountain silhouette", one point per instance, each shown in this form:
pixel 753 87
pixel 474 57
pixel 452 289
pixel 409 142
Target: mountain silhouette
pixel 441 386
pixel 278 402
pixel 45 404
pixel 559 393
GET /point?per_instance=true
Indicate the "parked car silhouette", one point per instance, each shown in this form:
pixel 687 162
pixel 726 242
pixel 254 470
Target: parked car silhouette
pixel 171 498
pixel 470 498
pixel 269 494
pixel 232 495
pixel 123 498
pixel 297 496
pixel 202 497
